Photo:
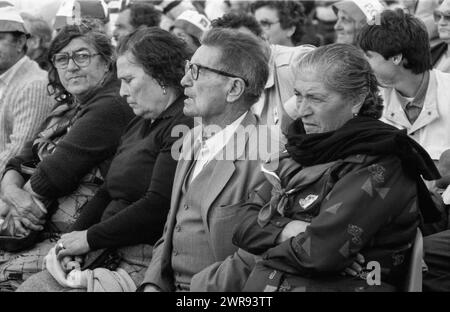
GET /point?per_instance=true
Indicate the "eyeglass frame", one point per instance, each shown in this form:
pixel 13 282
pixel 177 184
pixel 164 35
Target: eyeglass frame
pixel 268 24
pixel 188 66
pixel 71 57
pixel 437 15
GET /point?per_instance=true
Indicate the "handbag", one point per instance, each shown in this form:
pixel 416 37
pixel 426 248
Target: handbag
pixel 107 258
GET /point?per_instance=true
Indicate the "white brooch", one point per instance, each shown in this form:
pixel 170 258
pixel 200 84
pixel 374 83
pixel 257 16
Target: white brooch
pixel 308 201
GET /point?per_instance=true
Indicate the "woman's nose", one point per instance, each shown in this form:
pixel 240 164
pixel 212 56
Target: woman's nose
pixel 72 66
pixel 303 108
pixel 123 90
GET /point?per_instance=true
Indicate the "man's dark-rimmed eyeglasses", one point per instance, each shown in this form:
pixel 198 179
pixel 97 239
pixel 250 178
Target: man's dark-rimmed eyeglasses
pixel 195 71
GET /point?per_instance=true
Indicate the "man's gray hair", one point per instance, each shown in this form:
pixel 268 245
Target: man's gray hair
pixel 243 55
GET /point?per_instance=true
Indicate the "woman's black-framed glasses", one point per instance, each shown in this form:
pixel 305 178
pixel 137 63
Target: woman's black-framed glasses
pixel 80 58
pixel 438 15
pixel 195 71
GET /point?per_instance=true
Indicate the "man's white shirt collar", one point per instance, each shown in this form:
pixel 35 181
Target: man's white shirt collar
pixel 213 145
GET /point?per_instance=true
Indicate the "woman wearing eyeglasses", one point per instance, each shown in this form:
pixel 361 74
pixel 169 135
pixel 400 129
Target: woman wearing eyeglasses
pixel 441 53
pixel 58 172
pixel 128 212
pixel 283 22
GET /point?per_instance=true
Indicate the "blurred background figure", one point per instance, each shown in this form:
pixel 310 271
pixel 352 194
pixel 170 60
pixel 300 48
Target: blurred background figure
pixel 135 15
pixel 282 21
pixel 39 40
pixel 440 53
pixel 352 16
pixel 190 26
pixel 71 12
pixel 423 9
pixel 45 9
pixel 325 18
pixel 171 9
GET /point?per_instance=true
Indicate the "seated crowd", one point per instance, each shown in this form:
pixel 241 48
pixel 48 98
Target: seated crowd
pixel 226 148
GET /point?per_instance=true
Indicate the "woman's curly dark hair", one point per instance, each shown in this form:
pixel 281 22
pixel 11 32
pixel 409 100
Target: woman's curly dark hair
pixel 290 13
pixel 345 70
pixel 161 54
pixel 89 32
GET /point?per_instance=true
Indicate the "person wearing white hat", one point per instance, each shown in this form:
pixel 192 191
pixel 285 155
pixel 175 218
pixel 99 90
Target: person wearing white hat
pixel 441 53
pixel 24 102
pixel 73 11
pixel 190 26
pixel 352 16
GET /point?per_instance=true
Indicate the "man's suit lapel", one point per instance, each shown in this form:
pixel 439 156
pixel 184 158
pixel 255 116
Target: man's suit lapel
pixel 224 169
pixel 184 162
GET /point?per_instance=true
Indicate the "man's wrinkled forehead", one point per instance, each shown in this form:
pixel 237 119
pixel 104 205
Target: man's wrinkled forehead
pixel 207 56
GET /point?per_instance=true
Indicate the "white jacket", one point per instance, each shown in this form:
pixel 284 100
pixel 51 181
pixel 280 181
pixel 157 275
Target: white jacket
pixel 432 127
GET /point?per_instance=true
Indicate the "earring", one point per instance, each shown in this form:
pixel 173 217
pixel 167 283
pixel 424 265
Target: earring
pixel 164 90
pixel 355 115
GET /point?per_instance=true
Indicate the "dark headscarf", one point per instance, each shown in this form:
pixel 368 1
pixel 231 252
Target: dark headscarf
pixel 369 136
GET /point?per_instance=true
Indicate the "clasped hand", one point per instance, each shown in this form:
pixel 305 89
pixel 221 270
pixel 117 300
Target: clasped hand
pixel 70 249
pixel 28 212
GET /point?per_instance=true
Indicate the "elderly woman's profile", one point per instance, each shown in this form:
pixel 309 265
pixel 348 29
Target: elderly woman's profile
pixel 348 185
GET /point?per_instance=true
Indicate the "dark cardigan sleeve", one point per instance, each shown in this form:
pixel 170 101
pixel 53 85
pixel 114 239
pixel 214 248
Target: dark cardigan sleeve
pixel 142 221
pixel 93 138
pixel 92 212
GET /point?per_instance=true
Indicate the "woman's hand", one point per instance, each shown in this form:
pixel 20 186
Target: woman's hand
pixel 23 225
pixel 356 267
pixel 25 205
pixel 73 244
pixel 292 229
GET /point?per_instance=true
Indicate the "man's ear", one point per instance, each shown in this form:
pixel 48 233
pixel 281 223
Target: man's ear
pixel 236 89
pixel 21 42
pixel 290 31
pixel 33 43
pixel 397 59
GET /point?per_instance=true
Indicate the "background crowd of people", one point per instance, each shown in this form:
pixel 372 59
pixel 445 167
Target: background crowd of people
pixel 223 145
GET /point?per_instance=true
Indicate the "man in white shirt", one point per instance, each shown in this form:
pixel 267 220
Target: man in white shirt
pixel 219 165
pixel 416 98
pixel 24 100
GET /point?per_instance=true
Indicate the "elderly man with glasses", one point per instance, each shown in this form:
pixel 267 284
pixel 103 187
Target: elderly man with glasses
pixel 219 166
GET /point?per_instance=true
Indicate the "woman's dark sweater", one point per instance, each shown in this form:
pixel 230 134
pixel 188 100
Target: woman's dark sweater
pixel 132 205
pixel 92 141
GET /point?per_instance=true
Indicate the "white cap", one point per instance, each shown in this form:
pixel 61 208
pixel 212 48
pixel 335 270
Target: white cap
pixel 360 10
pixel 72 11
pixel 193 23
pixel 10 19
